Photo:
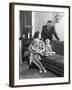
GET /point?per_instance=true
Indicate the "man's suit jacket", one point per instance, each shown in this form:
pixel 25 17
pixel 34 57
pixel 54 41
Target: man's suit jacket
pixel 47 34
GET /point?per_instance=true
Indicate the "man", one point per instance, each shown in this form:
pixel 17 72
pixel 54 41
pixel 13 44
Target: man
pixel 48 30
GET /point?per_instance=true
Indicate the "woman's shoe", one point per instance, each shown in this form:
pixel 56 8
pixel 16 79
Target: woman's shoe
pixel 40 71
pixel 45 71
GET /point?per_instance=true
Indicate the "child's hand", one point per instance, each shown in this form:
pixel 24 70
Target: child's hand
pixel 52 53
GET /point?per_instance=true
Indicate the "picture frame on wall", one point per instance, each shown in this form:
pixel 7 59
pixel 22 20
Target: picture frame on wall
pixel 39 44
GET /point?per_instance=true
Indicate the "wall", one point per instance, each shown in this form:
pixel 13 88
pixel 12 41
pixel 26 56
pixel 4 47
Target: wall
pixel 41 18
pixel 60 29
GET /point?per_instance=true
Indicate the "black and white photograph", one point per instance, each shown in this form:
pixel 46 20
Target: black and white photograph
pixel 41 44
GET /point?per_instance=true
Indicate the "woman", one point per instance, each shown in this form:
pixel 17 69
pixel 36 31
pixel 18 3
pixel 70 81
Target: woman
pixel 37 48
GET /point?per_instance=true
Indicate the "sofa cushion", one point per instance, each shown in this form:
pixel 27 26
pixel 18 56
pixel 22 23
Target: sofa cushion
pixel 54 63
pixel 58 47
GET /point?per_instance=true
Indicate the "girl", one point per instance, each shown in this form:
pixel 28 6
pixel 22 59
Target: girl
pixel 48 50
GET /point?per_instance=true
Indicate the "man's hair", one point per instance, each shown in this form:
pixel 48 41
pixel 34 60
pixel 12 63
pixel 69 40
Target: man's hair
pixel 49 21
pixel 36 34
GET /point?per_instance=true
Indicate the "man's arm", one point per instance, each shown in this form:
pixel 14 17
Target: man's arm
pixel 55 33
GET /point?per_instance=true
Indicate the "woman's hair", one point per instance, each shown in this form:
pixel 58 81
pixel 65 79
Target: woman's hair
pixel 36 34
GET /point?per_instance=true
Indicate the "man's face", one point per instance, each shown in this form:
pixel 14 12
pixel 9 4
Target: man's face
pixel 49 24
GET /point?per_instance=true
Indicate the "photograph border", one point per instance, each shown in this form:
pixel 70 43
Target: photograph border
pixel 11 43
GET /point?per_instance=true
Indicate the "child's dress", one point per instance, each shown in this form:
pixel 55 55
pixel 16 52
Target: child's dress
pixel 48 50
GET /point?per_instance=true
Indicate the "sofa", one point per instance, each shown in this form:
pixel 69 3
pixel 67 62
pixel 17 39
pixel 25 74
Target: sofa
pixel 53 63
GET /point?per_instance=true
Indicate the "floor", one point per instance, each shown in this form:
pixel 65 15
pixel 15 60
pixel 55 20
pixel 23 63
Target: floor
pixel 28 73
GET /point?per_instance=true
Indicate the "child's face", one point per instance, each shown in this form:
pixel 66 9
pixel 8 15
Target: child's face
pixel 47 41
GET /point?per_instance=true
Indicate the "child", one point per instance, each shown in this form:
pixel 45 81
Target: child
pixel 48 50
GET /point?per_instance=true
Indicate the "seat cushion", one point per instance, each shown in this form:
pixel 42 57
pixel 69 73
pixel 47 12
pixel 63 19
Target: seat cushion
pixel 54 63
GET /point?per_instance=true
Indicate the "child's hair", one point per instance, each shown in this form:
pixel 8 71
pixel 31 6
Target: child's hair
pixel 36 34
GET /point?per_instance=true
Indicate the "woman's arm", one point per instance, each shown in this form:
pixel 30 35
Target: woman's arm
pixel 33 49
